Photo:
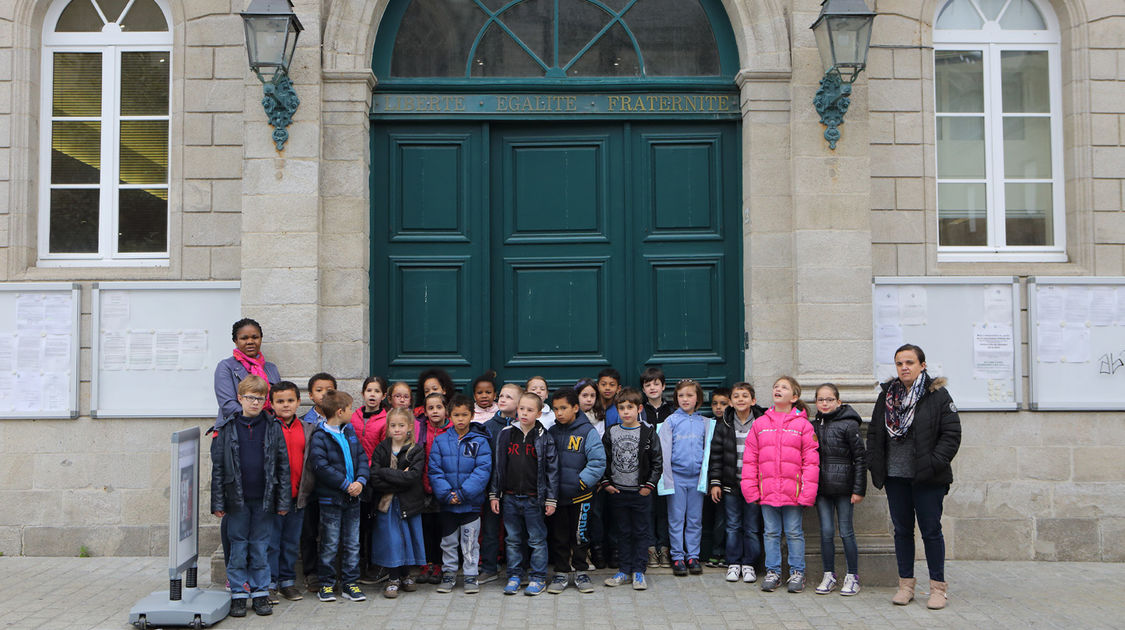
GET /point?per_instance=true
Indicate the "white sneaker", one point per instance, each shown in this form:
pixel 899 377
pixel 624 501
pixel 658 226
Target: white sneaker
pixel 851 584
pixel 733 572
pixel 748 575
pixel 828 584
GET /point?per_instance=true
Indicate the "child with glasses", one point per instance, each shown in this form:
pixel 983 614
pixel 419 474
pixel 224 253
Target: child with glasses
pixel 250 485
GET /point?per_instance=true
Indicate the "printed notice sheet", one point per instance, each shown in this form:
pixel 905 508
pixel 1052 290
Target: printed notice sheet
pixel 993 351
pixel 998 304
pixel 912 305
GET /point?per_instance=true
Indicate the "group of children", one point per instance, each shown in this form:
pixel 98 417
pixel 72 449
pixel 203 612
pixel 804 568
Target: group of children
pixel 580 478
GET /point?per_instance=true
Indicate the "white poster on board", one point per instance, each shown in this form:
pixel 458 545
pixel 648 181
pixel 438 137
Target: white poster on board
pixel 993 351
pixel 912 305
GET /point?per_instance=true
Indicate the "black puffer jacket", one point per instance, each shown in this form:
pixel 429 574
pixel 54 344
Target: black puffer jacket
pixel 226 468
pixel 843 458
pixel 937 436
pixel 722 468
pixel 404 480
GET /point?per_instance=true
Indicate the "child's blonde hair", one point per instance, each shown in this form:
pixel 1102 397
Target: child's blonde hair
pixel 401 412
pixel 253 385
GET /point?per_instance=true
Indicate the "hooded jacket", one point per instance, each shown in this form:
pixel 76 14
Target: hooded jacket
pixel 226 468
pixel 329 469
pixel 582 459
pixel 937 436
pixel 843 458
pixel 723 463
pixel 678 428
pixel 404 480
pixel 547 478
pixel 461 464
pixel 780 464
pixel 650 464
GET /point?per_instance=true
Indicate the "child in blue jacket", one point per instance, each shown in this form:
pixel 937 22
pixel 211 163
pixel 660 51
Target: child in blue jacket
pixel 460 467
pixel 685 439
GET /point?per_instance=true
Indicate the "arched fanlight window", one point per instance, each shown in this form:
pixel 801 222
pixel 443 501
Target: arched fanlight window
pixel 105 111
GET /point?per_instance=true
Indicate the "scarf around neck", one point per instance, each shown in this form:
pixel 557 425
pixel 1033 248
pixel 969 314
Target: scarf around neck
pixel 901 403
pixel 257 367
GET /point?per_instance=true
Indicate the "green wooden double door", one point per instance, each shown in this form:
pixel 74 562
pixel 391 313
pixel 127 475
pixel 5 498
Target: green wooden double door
pixel 556 249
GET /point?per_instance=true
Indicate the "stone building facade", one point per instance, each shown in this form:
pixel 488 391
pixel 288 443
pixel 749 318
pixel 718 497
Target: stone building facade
pixel 295 228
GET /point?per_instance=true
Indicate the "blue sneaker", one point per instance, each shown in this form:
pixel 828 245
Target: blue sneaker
pixel 513 585
pixel 535 587
pixel 639 583
pixel 618 579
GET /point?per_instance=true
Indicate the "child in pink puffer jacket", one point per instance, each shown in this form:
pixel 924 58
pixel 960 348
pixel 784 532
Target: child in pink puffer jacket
pixel 780 469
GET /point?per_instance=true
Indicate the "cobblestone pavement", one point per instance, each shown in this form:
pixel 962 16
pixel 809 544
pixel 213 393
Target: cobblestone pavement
pixel 82 593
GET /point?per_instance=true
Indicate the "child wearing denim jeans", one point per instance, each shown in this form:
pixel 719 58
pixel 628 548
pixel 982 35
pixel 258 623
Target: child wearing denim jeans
pixel 525 476
pixel 340 466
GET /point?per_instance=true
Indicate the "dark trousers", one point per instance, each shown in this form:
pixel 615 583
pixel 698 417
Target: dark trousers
pixel 524 524
pixel 714 541
pixel 633 514
pixel 744 527
pixel 659 532
pixel 366 524
pixel 489 539
pixel 922 501
pixel 833 511
pixel 310 532
pixel 339 533
pixel 285 542
pixel 601 530
pixel 249 528
pixel 568 542
pixel 431 536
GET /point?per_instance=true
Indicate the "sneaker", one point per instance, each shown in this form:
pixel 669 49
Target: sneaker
pixel 434 574
pixel 238 607
pixel 771 581
pixel 408 585
pixel 796 581
pixel 748 575
pixel 273 598
pixel 351 591
pixel 665 558
pixel 734 573
pixel 558 583
pixel 378 577
pixel 326 594
pixel 513 585
pixel 448 581
pixel 712 562
pixel 721 561
pixel 851 584
pixel 618 579
pixel 827 585
pixel 679 568
pixel 694 567
pixel 582 583
pixel 639 583
pixel 653 557
pixel 390 591
pixel 489 576
pixel 471 586
pixel 312 585
pixel 262 606
pixel 535 587
pixel 292 593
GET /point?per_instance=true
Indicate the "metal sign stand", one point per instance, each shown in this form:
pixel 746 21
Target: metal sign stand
pixel 183 604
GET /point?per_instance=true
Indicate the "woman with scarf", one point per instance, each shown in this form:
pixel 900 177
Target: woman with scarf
pixel 914 434
pixel 246 359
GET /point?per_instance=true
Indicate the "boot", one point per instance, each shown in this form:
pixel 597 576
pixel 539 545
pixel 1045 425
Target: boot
pixel 905 593
pixel 937 595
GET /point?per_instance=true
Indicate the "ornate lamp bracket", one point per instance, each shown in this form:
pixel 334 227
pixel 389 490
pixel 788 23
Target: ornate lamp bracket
pixel 831 102
pixel 280 102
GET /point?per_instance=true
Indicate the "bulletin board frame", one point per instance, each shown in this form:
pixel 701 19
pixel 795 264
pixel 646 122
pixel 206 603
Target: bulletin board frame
pixel 931 338
pixel 200 384
pixel 75 291
pixel 1043 397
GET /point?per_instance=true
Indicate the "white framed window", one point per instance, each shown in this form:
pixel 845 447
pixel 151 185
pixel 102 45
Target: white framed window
pixel 998 110
pixel 103 168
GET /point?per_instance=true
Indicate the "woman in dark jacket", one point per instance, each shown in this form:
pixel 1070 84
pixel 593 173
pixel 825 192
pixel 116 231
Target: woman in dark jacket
pixel 915 432
pixel 843 482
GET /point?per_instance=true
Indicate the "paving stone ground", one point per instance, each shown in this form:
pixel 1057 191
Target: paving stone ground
pixel 84 593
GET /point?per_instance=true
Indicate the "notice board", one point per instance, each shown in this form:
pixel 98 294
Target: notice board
pixel 1077 340
pixel 39 350
pixel 156 344
pixel 968 328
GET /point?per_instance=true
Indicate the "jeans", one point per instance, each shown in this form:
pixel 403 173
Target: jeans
pixel 906 501
pixel 249 529
pixel 339 532
pixel 633 515
pixel 457 533
pixel 787 517
pixel 569 546
pixel 489 539
pixel 685 520
pixel 524 520
pixel 285 542
pixel 833 510
pixel 743 528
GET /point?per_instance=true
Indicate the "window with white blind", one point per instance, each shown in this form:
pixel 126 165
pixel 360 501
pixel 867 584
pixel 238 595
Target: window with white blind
pixel 103 185
pixel 999 131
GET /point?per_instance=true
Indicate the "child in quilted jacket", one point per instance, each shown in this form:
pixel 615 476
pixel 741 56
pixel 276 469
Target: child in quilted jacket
pixel 781 469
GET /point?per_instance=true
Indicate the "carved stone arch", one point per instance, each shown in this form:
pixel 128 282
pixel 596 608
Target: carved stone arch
pixel 760 31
